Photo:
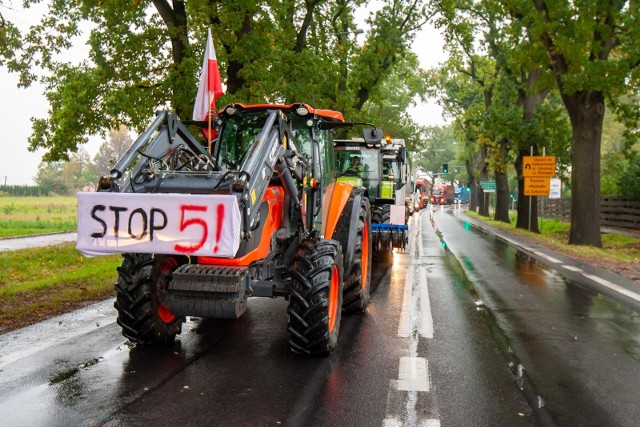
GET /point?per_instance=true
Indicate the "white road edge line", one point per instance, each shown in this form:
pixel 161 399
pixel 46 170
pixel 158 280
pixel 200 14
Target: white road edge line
pixel 425 324
pixel 550 258
pixel 406 314
pixel 613 287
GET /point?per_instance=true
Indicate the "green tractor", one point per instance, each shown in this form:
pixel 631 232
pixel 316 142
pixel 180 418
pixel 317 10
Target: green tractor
pixel 383 169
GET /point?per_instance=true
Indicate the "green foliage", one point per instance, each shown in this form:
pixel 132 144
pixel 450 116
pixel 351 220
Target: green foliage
pixel 437 146
pixel 49 177
pixel 144 56
pixel 611 168
pixel 629 181
pixel 22 190
pixel 112 150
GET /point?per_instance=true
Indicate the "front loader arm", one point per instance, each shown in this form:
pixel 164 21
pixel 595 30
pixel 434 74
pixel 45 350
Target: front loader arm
pixel 269 155
pixel 161 160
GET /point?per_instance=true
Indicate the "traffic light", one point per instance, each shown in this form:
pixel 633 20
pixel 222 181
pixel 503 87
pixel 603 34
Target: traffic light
pixel 445 168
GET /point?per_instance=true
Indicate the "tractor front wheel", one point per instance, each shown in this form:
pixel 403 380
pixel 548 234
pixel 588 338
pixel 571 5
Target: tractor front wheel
pixel 357 286
pixel 315 297
pixel 141 278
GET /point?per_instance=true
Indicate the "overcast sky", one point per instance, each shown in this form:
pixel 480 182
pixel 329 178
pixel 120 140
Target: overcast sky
pixel 18 166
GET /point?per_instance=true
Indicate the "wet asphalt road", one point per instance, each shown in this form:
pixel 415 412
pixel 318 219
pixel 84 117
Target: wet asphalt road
pixel 462 331
pixel 578 351
pixel 36 241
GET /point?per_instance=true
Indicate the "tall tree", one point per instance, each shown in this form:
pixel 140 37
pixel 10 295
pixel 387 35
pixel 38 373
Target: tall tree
pixel 593 50
pixel 146 55
pixel 112 149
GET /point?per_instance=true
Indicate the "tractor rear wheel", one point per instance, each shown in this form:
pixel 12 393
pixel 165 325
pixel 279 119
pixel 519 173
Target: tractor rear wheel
pixel 357 285
pixel 316 297
pixel 383 249
pixel 143 319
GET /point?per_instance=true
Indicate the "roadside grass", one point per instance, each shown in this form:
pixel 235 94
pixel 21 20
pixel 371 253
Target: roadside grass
pixel 20 216
pixel 39 283
pixel 555 234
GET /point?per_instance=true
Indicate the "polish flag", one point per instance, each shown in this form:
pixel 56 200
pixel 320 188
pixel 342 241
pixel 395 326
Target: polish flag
pixel 210 87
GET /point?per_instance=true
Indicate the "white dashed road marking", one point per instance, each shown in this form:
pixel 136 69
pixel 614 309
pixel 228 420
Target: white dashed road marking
pixel 416 321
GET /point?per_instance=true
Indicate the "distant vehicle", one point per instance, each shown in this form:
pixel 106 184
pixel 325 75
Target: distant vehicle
pixel 442 194
pixel 461 195
pixel 422 189
pixel 385 173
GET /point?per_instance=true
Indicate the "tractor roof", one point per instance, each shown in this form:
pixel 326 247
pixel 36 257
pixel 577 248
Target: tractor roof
pixel 354 144
pixel 329 115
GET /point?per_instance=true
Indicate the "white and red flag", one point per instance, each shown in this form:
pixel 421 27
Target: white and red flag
pixel 210 87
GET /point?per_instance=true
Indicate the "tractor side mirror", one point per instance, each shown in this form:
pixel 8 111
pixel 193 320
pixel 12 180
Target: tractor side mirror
pixel 372 135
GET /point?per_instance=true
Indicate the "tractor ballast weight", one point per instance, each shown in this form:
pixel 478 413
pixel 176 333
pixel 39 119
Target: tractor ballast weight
pixel 293 230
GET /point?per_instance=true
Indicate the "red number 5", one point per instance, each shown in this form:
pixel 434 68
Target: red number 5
pixel 192 221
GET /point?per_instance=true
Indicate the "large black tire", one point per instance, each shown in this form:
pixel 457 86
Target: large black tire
pixel 357 284
pixel 140 315
pixel 383 249
pixel 316 297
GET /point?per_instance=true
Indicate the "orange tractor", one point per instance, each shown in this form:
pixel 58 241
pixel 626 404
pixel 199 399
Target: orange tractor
pixel 261 215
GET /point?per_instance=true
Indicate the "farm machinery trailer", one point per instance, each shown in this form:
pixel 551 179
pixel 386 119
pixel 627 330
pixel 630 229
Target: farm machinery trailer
pixel 261 215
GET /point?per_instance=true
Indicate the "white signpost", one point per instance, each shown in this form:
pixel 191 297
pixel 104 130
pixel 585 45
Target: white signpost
pixel 555 188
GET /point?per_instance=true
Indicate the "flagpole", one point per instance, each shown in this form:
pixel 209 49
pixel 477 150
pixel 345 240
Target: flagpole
pixel 209 115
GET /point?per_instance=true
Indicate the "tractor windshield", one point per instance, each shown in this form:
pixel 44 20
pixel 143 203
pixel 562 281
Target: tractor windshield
pixel 239 133
pixel 237 137
pixel 362 163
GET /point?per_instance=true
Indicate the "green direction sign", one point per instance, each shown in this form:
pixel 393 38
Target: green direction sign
pixel 488 186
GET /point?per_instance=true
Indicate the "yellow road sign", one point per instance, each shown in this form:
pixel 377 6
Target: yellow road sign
pixel 539 166
pixel 537 186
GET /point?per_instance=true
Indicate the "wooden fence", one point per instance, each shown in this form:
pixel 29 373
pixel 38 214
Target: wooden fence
pixel 615 211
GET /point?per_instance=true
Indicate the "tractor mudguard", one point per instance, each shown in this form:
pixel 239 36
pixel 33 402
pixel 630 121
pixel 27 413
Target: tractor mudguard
pixel 344 229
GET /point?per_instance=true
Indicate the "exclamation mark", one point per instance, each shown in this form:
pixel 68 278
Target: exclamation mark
pixel 220 216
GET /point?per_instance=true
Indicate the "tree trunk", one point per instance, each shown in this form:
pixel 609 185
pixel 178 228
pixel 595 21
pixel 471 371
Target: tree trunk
pixel 473 183
pixel 502 184
pixel 502 197
pixel 530 99
pixel 235 66
pixel 586 112
pixel 483 198
pixel 176 21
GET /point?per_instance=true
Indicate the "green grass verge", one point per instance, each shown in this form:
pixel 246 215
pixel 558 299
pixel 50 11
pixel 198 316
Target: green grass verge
pixel 555 234
pixel 20 216
pixel 39 283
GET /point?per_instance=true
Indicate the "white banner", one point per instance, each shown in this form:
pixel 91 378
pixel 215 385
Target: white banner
pixel 185 224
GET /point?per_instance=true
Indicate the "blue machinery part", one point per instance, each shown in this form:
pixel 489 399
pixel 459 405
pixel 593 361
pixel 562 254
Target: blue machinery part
pixel 389 236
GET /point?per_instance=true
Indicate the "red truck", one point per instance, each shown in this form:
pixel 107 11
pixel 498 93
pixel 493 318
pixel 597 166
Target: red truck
pixel 422 188
pixel 442 194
